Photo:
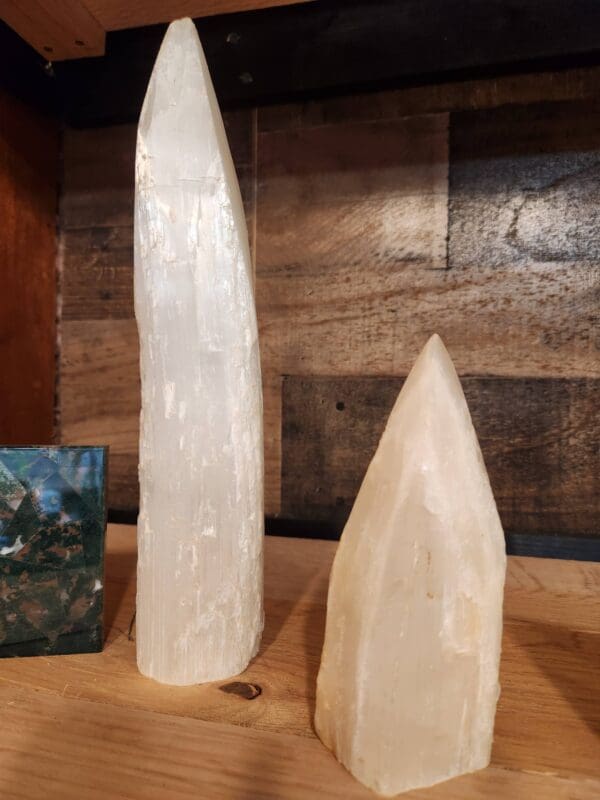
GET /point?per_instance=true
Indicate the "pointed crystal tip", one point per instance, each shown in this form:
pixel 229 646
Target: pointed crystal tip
pixel 180 31
pixel 180 134
pixel 435 347
pixel 434 367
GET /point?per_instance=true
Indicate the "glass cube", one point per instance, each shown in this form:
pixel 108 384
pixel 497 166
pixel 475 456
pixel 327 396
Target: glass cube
pixel 52 531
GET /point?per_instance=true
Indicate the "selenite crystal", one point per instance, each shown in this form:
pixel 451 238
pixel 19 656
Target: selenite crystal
pixel 200 569
pixel 408 683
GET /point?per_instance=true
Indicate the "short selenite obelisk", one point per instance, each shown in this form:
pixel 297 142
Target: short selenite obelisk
pixel 200 529
pixel 408 683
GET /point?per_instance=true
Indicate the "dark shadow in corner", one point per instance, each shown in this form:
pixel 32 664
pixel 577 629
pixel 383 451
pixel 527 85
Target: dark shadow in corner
pixel 314 635
pixel 119 569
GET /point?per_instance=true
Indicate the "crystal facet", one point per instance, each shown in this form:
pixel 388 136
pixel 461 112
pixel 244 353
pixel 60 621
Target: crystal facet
pixel 408 683
pixel 199 605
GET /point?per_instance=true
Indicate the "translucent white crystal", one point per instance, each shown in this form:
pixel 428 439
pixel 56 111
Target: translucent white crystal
pixel 199 604
pixel 408 682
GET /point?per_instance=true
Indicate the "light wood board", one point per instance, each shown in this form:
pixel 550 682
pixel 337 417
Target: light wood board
pixel 115 14
pixel 57 29
pixel 90 726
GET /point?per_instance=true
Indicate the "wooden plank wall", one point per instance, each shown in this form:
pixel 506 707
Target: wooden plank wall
pixel 470 209
pixel 29 152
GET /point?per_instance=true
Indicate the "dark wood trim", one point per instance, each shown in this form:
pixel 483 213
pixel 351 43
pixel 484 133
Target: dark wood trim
pixel 336 46
pixel 577 548
pixel 314 50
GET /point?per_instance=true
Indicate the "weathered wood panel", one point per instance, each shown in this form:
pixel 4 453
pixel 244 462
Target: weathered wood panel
pixel 465 95
pixel 525 204
pixel 539 438
pixel 97 273
pixel 347 217
pixel 362 270
pixel 355 271
pixel 98 171
pixel 98 175
pixel 100 397
pixel 29 148
pixel 525 186
pixel 356 301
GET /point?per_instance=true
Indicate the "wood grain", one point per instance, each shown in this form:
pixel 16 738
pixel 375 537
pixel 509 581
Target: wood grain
pixel 57 30
pixel 114 14
pixel 99 164
pixel 123 484
pixel 363 306
pixel 98 177
pixel 368 204
pixel 364 299
pixel 158 741
pixel 525 187
pixel 347 205
pixel 524 192
pixel 97 273
pixel 100 397
pixel 539 439
pixel 29 149
pixel 124 753
pixel 272 399
pixel 434 98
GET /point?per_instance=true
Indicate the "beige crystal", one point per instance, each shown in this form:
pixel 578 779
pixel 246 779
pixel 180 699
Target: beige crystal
pixel 408 683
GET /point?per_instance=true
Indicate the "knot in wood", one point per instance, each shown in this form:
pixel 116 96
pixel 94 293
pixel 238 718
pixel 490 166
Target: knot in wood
pixel 249 691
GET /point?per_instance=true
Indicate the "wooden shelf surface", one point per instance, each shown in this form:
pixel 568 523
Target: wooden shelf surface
pixel 90 726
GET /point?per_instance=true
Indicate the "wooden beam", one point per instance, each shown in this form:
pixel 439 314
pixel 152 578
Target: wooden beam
pixel 57 29
pixel 334 46
pixel 116 15
pixel 73 29
pixel 327 44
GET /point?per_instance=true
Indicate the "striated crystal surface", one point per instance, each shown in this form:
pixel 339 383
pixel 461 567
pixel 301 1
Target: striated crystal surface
pixel 408 683
pixel 199 604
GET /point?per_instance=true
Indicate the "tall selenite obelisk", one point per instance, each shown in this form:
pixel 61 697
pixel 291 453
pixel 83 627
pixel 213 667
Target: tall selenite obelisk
pixel 200 529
